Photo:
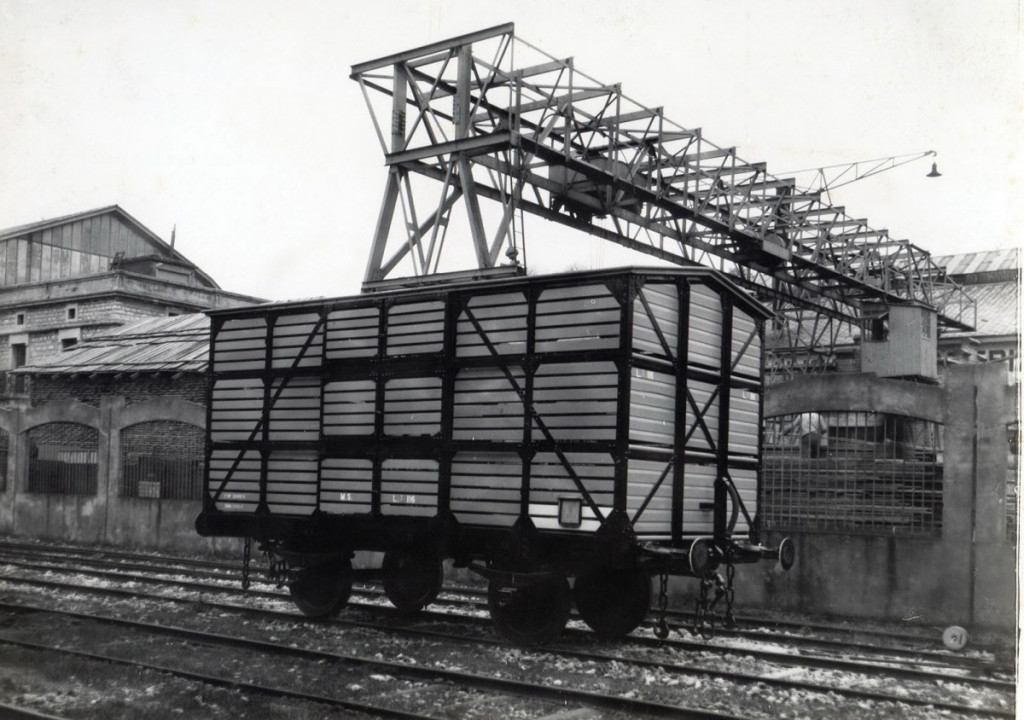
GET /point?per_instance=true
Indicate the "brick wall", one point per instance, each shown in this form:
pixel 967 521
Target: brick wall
pixel 166 438
pixel 74 435
pixel 42 322
pixel 49 388
pixel 104 461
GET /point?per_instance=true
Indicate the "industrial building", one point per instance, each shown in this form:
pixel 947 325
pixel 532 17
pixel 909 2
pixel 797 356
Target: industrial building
pixel 101 286
pixel 68 279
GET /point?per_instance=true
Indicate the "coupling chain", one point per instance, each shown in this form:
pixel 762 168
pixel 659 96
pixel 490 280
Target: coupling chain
pixel 661 627
pixel 730 594
pixel 703 615
pixel 277 568
pixel 246 559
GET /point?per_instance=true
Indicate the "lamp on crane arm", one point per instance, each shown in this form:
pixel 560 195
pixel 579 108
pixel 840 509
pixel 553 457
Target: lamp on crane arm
pixel 834 176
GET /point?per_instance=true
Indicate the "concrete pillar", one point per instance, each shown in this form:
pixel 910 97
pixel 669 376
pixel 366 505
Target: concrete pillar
pixel 108 459
pixel 977 449
pixel 10 422
pixel 959 477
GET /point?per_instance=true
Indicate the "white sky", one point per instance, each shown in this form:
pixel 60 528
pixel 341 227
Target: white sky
pixel 236 120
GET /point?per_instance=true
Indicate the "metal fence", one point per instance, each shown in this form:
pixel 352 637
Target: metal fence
pixel 62 460
pixel 162 460
pixel 855 472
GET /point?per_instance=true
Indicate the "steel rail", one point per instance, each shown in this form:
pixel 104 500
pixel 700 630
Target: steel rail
pixel 207 679
pixel 14 712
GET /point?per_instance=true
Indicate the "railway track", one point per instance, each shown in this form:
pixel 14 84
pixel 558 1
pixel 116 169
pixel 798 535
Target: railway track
pixel 900 665
pixel 643 655
pixel 924 643
pixel 190 641
pixel 907 650
pixel 661 666
pixel 920 646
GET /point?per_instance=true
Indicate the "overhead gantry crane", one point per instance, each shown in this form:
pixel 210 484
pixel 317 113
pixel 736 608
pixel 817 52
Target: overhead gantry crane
pixel 488 116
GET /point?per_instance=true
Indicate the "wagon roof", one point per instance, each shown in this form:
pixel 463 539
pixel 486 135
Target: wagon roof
pixel 429 287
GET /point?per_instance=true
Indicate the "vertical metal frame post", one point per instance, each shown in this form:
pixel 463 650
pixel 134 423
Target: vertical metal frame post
pixel 724 400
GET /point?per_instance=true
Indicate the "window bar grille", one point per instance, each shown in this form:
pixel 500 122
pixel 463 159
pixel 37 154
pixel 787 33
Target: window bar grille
pixel 162 460
pixel 170 478
pixel 62 470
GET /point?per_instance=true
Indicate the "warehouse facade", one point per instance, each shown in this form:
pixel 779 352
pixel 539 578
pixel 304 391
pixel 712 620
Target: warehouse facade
pixel 110 447
pixel 112 420
pixel 72 278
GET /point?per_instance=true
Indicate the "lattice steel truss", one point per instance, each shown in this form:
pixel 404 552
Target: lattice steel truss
pixel 487 116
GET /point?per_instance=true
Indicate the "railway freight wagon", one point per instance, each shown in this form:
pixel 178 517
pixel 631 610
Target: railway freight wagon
pixel 599 428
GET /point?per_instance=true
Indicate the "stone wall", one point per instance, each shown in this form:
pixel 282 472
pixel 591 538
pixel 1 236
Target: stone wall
pixel 967 575
pixel 46 389
pixel 148 404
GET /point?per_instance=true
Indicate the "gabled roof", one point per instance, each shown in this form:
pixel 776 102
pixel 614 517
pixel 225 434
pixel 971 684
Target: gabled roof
pixel 162 248
pixel 177 344
pixel 998 309
pixel 992 279
pixel 980 262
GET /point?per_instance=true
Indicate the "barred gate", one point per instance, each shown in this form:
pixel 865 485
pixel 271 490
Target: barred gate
pixel 162 459
pixel 858 472
pixel 62 459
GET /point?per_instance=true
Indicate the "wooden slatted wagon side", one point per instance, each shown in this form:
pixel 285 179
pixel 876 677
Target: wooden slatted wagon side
pixel 601 427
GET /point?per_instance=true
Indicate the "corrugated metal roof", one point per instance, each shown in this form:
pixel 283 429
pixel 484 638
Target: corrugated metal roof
pixel 998 309
pixel 979 262
pixel 990 278
pixel 177 344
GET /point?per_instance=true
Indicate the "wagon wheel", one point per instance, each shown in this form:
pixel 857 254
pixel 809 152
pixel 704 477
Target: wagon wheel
pixel 612 601
pixel 530 614
pixel 323 590
pixel 412 580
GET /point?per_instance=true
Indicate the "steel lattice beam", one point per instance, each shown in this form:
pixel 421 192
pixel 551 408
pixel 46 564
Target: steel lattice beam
pixel 490 117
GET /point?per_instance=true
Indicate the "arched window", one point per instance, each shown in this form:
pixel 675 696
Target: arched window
pixel 862 472
pixel 162 459
pixel 62 459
